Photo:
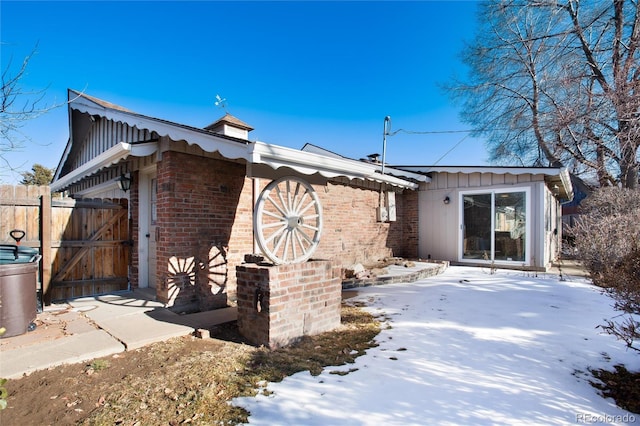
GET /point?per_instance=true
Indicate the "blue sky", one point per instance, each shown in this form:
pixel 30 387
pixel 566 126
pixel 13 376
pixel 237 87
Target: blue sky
pixel 326 73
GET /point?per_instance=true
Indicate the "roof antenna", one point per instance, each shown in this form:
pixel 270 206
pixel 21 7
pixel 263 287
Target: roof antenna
pixel 221 103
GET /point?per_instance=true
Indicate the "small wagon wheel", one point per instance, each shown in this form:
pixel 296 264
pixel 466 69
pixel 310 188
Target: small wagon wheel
pixel 288 220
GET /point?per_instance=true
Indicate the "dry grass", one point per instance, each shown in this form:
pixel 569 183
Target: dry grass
pixel 181 381
pixel 198 387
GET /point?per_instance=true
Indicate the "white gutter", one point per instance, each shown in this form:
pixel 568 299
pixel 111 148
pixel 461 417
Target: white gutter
pixel 177 132
pixel 560 172
pixel 274 156
pixel 111 156
pixel 309 163
pixel 498 170
pixel 565 178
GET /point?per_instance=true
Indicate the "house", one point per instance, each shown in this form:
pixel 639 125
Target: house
pixel 194 192
pixel 510 217
pixel 201 199
pixel 571 209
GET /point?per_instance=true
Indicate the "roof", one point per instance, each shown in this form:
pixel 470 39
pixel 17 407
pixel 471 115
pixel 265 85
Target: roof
pixel 229 119
pixel 309 147
pixel 557 176
pixel 105 104
pixel 82 109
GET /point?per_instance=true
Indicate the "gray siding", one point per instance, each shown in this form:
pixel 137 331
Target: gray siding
pixel 439 223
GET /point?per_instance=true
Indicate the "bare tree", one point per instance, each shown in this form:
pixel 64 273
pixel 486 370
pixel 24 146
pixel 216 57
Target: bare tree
pixel 18 106
pixel 556 82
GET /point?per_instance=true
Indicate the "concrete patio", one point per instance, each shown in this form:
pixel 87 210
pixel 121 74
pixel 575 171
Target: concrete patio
pixel 94 327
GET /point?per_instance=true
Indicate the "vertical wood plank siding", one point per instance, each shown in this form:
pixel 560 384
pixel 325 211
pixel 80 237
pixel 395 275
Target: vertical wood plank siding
pixel 105 134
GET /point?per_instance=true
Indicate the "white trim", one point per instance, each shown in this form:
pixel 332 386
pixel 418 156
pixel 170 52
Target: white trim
pixel 106 186
pixel 143 149
pixel 274 156
pixel 528 228
pixel 205 140
pixel 498 170
pixel 111 156
pixel 309 163
pixel 143 224
pixel 542 219
pixel 144 212
pixel 556 175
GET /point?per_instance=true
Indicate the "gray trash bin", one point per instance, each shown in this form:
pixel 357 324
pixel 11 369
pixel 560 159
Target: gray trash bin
pixel 18 301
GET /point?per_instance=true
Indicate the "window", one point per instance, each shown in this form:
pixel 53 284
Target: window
pixel 154 201
pixel 494 226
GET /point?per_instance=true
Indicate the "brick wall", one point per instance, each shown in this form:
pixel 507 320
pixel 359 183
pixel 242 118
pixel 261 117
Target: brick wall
pixel 279 304
pixel 410 215
pixel 205 220
pixel 204 216
pixel 351 232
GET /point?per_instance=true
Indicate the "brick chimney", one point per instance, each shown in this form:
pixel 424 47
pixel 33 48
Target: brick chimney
pixel 230 126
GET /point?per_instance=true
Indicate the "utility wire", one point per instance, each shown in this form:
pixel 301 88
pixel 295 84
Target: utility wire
pixel 450 149
pixel 412 132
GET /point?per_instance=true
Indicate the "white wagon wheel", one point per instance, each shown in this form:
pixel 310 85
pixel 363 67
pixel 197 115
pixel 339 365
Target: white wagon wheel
pixel 287 220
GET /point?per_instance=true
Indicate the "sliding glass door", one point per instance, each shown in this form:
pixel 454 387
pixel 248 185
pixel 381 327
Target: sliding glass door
pixel 494 226
pixel 477 226
pixel 510 226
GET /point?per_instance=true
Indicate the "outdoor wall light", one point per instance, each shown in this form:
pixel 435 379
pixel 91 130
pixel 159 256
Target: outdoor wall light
pixel 124 182
pixel 446 200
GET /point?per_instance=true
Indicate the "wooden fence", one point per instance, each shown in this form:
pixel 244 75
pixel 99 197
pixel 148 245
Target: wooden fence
pixel 85 244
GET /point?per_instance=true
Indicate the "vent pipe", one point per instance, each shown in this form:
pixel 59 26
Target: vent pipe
pixel 385 131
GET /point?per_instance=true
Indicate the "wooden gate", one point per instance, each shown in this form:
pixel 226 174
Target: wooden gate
pixel 85 244
pixel 90 247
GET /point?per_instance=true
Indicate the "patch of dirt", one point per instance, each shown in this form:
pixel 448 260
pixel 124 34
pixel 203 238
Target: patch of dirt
pixel 621 385
pixel 180 381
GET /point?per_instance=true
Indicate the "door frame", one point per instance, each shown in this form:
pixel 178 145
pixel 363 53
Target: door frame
pixel 528 225
pixel 144 217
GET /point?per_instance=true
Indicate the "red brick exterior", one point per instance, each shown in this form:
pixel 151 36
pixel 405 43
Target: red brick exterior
pixel 279 304
pixel 204 216
pixel 205 221
pixel 410 217
pixel 351 232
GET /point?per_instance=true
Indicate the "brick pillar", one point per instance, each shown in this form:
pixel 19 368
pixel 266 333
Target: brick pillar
pixel 279 304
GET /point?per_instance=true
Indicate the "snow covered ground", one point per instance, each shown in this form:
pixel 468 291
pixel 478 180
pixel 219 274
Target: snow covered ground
pixel 466 348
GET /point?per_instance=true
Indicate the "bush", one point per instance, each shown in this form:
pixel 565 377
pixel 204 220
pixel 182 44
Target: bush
pixel 607 238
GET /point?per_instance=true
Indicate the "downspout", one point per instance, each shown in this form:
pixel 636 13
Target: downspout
pixel 254 196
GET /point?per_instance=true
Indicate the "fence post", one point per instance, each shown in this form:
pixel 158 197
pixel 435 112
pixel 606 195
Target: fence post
pixel 45 244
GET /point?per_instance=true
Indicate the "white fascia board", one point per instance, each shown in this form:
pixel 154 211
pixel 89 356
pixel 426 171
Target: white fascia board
pixel 404 173
pixel 498 170
pixel 561 173
pixel 566 181
pixel 111 156
pixel 309 163
pixel 63 159
pixel 143 149
pixel 208 142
